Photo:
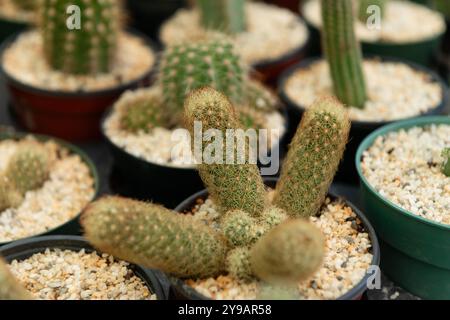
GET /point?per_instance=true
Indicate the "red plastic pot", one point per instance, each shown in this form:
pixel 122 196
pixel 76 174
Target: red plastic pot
pixel 73 116
pixel 292 5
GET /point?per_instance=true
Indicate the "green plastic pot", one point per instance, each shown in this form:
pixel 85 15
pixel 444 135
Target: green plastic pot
pixel 415 251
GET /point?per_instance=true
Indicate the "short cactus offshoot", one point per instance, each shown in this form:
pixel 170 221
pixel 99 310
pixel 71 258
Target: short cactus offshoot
pixel 343 52
pixel 91 49
pixel 223 15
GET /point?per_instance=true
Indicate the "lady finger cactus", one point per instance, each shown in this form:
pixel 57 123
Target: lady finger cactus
pixel 273 216
pixel 223 15
pixel 232 185
pixel 313 158
pixel 154 237
pixel 240 228
pixel 289 253
pixel 343 52
pixel 87 48
pixel 238 263
pixel 10 289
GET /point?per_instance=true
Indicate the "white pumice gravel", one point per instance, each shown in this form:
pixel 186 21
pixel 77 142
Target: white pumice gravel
pixel 69 275
pixel 10 11
pixel 405 167
pixel 404 22
pixel 347 258
pixel 395 90
pixel 158 146
pixel 24 61
pixel 68 190
pixel 271 31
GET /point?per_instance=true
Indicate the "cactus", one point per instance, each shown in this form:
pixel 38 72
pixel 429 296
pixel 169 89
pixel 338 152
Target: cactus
pixel 223 15
pixel 154 237
pixel 446 165
pixel 365 4
pixel 240 228
pixel 10 288
pixel 186 67
pixel 289 253
pixel 231 186
pixel 143 115
pixel 313 158
pixel 27 170
pixel 238 263
pixel 443 6
pixel 273 216
pixel 26 5
pixel 271 292
pixel 90 49
pixel 343 52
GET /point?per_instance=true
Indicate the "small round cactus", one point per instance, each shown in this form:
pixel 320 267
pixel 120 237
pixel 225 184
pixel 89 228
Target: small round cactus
pixel 143 115
pixel 238 263
pixel 273 216
pixel 240 228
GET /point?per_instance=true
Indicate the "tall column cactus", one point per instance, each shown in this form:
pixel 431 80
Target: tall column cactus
pixel 223 15
pixel 313 158
pixel 91 49
pixel 365 4
pixel 10 288
pixel 154 237
pixel 343 52
pixel 231 185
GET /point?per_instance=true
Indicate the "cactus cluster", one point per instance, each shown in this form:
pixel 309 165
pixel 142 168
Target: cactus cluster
pixel 223 15
pixel 10 289
pixel 343 52
pixel 27 170
pixel 89 48
pixel 446 165
pixel 252 238
pixel 365 4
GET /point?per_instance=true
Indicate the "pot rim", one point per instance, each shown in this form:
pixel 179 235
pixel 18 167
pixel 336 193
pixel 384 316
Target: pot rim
pixel 152 278
pixel 356 123
pixel 353 293
pixel 368 142
pixel 13 135
pixel 78 94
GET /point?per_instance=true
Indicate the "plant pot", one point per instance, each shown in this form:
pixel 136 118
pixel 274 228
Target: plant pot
pixel 181 291
pixel 360 129
pixel 9 27
pixel 292 5
pixel 415 250
pixel 73 116
pixel 167 185
pixel 72 226
pixel 24 249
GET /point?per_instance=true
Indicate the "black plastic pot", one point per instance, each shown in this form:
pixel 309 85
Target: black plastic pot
pixel 141 179
pixel 9 27
pixel 72 226
pixel 181 291
pixel 360 129
pixel 24 249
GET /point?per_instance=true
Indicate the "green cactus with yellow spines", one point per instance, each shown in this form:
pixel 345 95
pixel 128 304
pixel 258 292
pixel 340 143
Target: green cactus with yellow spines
pixel 223 15
pixel 238 263
pixel 289 253
pixel 446 164
pixel 143 114
pixel 363 5
pixel 231 186
pixel 313 158
pixel 89 49
pixel 240 228
pixel 155 237
pixel 273 216
pixel 343 52
pixel 10 288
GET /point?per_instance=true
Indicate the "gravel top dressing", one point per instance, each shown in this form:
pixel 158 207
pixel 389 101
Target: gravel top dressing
pixel 347 258
pixel 10 11
pixel 158 145
pixel 271 31
pixel 68 190
pixel 395 90
pixel 69 275
pixel 405 167
pixel 404 22
pixel 24 61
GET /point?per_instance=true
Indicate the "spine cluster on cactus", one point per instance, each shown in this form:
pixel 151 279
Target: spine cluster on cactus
pixel 343 52
pixel 313 158
pixel 27 170
pixel 446 165
pixel 289 253
pixel 189 66
pixel 154 237
pixel 89 48
pixel 143 115
pixel 240 228
pixel 364 5
pixel 238 263
pixel 223 15
pixel 10 288
pixel 232 186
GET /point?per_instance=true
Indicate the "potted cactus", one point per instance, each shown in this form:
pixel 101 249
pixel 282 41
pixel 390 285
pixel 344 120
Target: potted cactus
pixel 15 16
pixel 44 268
pixel 376 91
pixel 391 31
pixel 246 228
pixel 268 37
pixel 62 76
pixel 143 128
pixel 44 185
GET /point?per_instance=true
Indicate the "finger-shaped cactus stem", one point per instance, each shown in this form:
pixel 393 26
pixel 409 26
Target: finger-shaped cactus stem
pixel 313 158
pixel 155 237
pixel 238 263
pixel 446 165
pixel 10 288
pixel 289 253
pixel 240 228
pixel 223 15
